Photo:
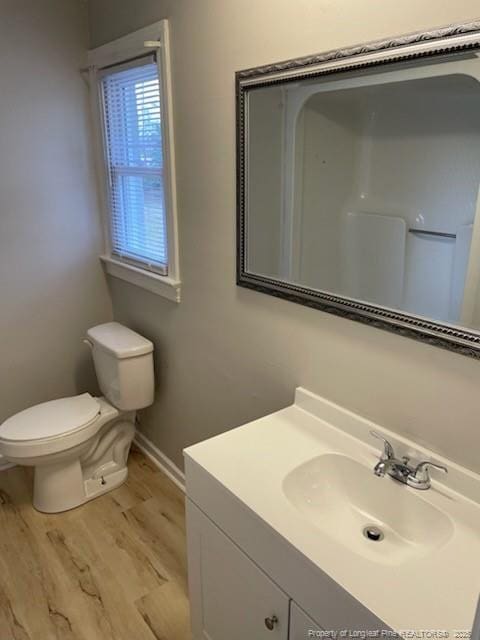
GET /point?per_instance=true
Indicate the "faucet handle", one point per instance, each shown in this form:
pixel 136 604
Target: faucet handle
pixel 420 477
pixel 388 452
pixel 422 468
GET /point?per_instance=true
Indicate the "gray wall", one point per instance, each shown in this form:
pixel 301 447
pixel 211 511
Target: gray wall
pixel 51 284
pixel 226 355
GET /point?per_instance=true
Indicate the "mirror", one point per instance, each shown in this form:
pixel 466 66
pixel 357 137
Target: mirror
pixel 359 176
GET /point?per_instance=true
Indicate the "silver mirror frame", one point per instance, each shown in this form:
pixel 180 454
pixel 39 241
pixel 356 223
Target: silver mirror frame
pixel 450 39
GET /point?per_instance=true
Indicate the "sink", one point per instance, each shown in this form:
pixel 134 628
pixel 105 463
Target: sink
pixel 296 490
pixel 347 502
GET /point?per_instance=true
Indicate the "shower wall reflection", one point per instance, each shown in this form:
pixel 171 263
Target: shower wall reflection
pixel 367 186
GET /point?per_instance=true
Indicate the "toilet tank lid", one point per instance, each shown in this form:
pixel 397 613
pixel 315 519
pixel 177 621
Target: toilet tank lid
pixel 118 340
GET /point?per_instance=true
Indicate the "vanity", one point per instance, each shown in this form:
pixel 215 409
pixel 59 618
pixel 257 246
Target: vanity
pixel 292 535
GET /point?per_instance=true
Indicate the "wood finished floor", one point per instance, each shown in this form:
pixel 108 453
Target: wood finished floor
pixel 113 569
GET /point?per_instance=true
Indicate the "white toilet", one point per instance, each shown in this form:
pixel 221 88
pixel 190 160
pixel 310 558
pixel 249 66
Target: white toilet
pixel 79 446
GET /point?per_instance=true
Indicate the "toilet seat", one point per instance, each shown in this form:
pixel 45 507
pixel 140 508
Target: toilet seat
pixel 51 419
pixel 53 427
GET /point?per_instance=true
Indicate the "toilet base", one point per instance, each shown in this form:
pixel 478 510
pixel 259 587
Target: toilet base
pixel 50 497
pixel 73 480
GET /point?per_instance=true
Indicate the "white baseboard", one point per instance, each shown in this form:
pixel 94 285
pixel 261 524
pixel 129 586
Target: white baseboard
pixel 160 460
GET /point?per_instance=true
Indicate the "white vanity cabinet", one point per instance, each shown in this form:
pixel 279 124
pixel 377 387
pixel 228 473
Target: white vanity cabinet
pixel 302 626
pixel 230 596
pixel 268 535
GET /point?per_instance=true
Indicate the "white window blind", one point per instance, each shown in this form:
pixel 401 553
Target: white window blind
pixel 133 135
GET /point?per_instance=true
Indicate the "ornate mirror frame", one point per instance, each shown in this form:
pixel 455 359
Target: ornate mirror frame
pixel 454 38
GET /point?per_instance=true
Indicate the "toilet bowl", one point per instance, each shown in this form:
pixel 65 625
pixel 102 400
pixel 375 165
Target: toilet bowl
pixel 79 445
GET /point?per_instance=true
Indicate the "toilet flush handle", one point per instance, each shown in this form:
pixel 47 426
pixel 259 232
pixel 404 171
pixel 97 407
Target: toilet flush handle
pixel 87 342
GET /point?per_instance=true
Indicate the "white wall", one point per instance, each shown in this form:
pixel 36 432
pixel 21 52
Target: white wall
pixel 51 284
pixel 226 355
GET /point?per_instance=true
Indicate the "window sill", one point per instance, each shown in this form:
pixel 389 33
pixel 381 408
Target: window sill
pixel 161 285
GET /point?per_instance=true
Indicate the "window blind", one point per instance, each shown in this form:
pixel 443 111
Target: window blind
pixel 133 135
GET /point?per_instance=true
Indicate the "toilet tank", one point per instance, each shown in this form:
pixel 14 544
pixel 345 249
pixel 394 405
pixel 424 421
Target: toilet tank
pixel 123 362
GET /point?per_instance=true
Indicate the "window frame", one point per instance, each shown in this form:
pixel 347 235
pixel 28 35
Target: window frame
pixel 151 39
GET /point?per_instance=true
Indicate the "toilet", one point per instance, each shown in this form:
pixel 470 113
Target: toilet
pixel 79 446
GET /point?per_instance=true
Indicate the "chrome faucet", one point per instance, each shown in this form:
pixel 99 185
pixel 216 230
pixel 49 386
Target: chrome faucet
pixel 416 477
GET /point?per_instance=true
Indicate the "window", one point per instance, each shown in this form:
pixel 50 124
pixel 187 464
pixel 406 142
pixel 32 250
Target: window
pixel 131 99
pixel 133 110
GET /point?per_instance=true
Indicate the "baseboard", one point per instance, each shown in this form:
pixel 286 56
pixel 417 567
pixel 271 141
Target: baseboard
pixel 160 460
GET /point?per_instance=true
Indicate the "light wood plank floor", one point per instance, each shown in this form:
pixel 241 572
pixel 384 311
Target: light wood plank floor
pixel 113 569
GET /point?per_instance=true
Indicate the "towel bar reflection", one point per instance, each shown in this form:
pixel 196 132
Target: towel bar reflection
pixel 438 234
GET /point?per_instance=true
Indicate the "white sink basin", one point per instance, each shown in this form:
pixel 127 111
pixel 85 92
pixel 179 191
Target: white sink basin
pixel 342 497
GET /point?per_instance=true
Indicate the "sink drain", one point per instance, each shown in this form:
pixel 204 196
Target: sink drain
pixel 373 533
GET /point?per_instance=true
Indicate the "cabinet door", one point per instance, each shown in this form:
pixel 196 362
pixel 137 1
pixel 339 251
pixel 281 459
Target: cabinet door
pixel 302 627
pixel 231 598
